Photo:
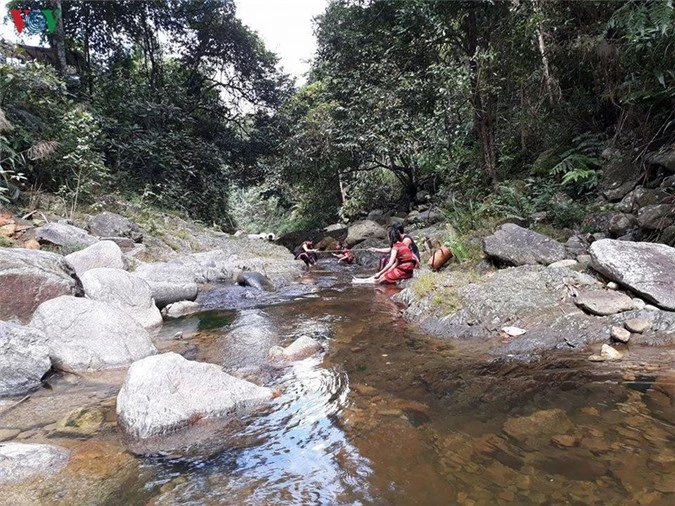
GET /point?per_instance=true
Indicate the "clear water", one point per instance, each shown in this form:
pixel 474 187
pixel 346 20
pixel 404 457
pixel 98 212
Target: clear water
pixel 387 415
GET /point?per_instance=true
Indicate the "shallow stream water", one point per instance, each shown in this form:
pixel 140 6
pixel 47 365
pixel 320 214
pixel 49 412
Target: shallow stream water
pixel 386 415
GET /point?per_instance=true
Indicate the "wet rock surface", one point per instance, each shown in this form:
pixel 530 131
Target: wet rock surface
pixel 19 461
pixel 246 343
pixel 30 277
pixel 254 280
pixel 301 348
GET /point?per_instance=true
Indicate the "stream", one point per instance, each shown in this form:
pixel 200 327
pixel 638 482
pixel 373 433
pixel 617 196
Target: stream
pixel 386 415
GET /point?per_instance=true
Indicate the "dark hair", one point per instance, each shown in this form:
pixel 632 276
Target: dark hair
pixel 393 236
pixel 398 226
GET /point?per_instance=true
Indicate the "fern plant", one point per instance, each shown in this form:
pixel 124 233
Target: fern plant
pixel 579 167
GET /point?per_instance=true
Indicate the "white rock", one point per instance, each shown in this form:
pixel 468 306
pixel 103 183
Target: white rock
pixel 603 302
pixel 124 291
pixel 612 286
pixel 299 349
pixel 620 334
pixel 24 358
pixel 514 331
pixel 101 254
pixel 567 262
pixel 84 334
pixel 646 268
pixel 181 308
pixel 169 282
pixel 638 325
pixel 610 353
pixel 638 304
pixel 164 393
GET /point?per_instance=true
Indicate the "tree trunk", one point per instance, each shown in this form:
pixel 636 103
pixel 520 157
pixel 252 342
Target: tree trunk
pixel 343 190
pixel 481 102
pixel 549 81
pixel 58 40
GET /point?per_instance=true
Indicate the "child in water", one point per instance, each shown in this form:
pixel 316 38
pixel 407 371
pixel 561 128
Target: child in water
pixel 344 254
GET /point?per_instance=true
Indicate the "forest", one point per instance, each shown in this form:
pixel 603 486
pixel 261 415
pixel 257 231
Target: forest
pixel 480 109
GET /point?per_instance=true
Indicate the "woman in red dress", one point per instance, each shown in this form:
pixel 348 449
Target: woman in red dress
pixel 400 266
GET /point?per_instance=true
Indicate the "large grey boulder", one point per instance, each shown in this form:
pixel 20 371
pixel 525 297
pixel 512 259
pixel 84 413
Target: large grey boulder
pixel 169 282
pixel 124 291
pixel 64 235
pixel 85 335
pixel 516 245
pixel 30 277
pixel 165 393
pixel 109 224
pixel 359 231
pixel 20 461
pixel 645 268
pixel 101 254
pixel 24 358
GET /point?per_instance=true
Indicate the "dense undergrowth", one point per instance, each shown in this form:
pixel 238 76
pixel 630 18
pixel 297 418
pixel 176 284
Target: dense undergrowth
pixel 483 110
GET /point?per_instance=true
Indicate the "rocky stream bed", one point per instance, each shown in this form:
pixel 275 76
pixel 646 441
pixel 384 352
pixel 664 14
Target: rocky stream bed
pixel 229 376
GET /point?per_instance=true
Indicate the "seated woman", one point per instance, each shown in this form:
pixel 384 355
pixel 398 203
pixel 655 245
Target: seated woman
pixel 344 254
pixel 405 239
pixel 306 253
pixel 400 266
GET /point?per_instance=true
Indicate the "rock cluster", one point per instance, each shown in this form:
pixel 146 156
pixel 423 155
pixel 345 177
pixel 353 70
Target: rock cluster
pixel 570 304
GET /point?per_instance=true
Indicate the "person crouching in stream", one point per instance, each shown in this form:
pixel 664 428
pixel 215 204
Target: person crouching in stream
pixel 402 237
pixel 306 253
pixel 402 262
pixel 344 254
